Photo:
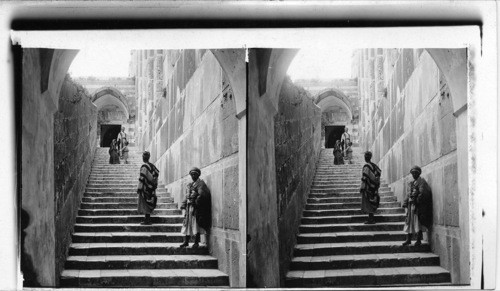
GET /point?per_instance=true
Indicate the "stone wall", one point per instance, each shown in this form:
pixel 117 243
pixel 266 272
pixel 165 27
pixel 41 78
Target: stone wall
pixel 37 177
pixel 187 118
pixel 262 222
pixel 297 138
pixel 75 142
pixel 407 119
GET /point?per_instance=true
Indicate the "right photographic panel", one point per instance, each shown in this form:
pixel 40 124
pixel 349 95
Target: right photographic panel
pixel 358 167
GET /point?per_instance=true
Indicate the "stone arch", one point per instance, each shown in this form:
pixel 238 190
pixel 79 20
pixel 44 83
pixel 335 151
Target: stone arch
pixel 109 95
pixel 333 97
pixel 451 62
pixel 231 61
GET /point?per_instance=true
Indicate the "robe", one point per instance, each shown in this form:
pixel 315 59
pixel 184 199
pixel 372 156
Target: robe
pixel 198 206
pixel 114 158
pixel 419 203
pixel 147 193
pixel 370 198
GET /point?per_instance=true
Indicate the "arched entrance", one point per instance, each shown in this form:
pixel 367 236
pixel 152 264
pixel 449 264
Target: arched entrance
pixel 337 114
pixel 113 113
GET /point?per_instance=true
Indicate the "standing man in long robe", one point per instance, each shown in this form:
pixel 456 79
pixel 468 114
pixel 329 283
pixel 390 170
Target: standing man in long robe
pixel 148 181
pixel 345 139
pixel 370 183
pixel 121 139
pixel 418 205
pixel 197 207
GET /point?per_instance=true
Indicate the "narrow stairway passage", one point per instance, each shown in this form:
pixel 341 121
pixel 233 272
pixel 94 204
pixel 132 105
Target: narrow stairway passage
pixel 111 249
pixel 336 249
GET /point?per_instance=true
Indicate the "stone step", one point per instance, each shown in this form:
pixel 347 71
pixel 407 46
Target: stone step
pixel 114 184
pixel 353 205
pixel 131 237
pixel 113 212
pixel 352 219
pixel 141 262
pixel 128 219
pixel 127 227
pixel 126 249
pixel 343 212
pixel 350 191
pixel 341 182
pixel 129 206
pixel 367 277
pixel 327 195
pixel 338 227
pixel 364 261
pixel 144 278
pixel 384 198
pixel 357 248
pixel 88 199
pixel 124 195
pixel 119 190
pixel 340 188
pixel 351 236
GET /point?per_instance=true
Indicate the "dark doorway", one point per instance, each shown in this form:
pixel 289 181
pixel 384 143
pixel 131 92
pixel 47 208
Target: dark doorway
pixel 332 134
pixel 108 133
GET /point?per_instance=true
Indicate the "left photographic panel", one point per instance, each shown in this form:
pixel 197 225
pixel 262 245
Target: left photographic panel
pixel 133 167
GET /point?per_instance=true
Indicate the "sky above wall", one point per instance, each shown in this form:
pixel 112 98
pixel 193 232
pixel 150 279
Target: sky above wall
pixel 101 62
pixel 319 63
pixel 322 63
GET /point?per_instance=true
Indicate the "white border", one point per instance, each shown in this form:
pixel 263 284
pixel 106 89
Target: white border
pixel 450 37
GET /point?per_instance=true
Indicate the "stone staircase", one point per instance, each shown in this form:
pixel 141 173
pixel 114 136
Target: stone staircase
pixel 111 249
pixel 336 249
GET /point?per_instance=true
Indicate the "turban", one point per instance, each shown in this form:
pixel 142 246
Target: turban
pixel 416 169
pixel 196 170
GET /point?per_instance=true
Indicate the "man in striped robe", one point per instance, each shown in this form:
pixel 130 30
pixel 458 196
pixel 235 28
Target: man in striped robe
pixel 370 183
pixel 148 181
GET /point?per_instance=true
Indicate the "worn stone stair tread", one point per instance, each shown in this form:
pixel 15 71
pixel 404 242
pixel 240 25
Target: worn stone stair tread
pixel 321 212
pixel 351 224
pixel 353 244
pixel 141 258
pixel 350 233
pixel 354 273
pixel 351 216
pixel 165 245
pixel 127 224
pixel 130 216
pixel 144 272
pixel 382 256
pixel 127 233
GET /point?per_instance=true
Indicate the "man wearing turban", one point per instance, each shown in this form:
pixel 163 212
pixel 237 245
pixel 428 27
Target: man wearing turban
pixel 418 204
pixel 370 183
pixel 197 207
pixel 148 182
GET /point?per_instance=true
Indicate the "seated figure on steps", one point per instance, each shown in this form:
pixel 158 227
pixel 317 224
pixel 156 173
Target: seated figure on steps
pixel 370 183
pixel 197 210
pixel 148 182
pixel 418 207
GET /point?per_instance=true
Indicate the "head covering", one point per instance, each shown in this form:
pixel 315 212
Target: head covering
pixel 146 154
pixel 196 170
pixel 368 154
pixel 416 169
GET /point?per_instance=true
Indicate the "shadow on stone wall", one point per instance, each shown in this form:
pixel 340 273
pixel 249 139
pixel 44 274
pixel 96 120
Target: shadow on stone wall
pixel 27 269
pixel 75 141
pixel 297 128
